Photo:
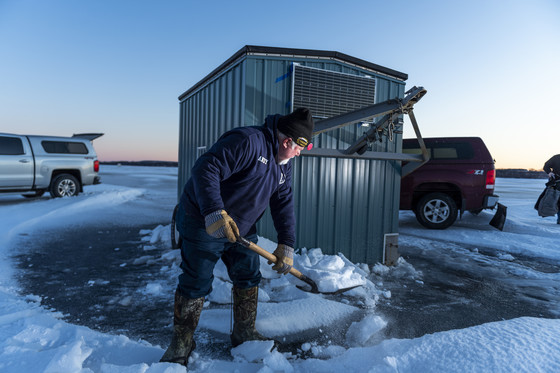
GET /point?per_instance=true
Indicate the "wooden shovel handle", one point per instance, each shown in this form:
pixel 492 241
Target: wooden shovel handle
pixel 265 254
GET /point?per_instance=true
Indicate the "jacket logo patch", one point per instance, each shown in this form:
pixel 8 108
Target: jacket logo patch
pixel 263 160
pixel 282 179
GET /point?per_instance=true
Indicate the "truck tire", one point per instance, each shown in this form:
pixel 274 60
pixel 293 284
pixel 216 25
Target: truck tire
pixel 436 211
pixel 65 185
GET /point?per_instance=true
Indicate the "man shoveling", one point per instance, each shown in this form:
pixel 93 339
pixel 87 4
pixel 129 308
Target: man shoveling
pixel 232 184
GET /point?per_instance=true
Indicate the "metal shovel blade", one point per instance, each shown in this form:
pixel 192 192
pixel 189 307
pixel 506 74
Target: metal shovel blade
pixel 315 290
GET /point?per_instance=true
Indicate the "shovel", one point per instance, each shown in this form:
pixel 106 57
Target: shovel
pixel 271 258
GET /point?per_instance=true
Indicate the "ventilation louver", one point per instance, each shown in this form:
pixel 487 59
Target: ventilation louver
pixel 329 93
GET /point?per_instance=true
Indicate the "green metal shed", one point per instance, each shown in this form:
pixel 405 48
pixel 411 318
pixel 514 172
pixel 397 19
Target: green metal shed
pixel 343 205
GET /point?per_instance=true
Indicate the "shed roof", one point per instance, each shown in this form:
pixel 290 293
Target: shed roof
pixel 271 51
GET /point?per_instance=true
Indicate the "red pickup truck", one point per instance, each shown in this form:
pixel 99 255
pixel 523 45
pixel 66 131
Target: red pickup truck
pixel 459 176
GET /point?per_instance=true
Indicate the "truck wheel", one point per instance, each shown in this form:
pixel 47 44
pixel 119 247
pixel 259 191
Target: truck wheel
pixel 436 211
pixel 65 185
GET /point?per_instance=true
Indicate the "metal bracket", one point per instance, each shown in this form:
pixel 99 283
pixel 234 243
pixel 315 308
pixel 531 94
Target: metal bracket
pixel 388 109
pixel 409 167
pixel 390 249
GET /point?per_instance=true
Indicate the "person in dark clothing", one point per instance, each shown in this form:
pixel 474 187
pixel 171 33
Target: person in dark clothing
pixel 231 185
pixel 552 168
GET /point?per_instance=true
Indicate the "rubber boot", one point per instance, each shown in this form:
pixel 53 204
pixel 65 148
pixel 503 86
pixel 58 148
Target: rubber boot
pixel 244 315
pixel 185 320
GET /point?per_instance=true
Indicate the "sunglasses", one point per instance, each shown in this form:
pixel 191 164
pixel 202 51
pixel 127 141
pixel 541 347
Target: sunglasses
pixel 302 141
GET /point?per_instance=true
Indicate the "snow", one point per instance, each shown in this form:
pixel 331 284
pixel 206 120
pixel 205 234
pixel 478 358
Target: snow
pixel 36 339
pixel 362 332
pixel 519 345
pixel 277 319
pixel 252 351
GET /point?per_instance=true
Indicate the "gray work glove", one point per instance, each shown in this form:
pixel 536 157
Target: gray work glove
pixel 284 259
pixel 220 225
pixel 551 175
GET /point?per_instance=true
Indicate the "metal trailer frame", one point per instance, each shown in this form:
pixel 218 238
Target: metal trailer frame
pixel 391 110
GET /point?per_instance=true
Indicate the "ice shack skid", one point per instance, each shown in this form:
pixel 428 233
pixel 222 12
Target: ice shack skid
pixel 349 206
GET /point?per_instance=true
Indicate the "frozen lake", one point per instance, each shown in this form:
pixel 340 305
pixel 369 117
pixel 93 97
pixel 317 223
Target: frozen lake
pixel 103 260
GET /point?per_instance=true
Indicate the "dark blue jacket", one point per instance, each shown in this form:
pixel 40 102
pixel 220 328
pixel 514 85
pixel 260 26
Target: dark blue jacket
pixel 239 174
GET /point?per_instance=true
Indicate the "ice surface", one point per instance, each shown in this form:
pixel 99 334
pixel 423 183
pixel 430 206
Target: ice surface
pixel 278 319
pixel 33 339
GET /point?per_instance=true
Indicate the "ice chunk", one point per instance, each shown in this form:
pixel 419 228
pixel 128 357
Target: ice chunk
pixel 126 301
pixel 364 332
pixel 221 292
pixel 507 257
pixel 276 362
pixel 329 281
pixel 252 351
pixel 328 351
pixel 153 288
pixel 331 263
pixel 69 358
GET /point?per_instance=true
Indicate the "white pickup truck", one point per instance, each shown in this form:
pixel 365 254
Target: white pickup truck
pixel 32 165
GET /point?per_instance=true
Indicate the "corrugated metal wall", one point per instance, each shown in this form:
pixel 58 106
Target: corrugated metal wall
pixel 342 205
pixel 207 114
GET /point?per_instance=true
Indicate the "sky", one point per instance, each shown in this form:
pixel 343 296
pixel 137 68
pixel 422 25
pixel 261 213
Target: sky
pixel 36 338
pixel 118 67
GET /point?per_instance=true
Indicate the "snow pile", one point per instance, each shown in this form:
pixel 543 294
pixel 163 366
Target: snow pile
pixel 519 345
pixel 365 332
pixel 161 234
pixel 331 273
pixel 35 340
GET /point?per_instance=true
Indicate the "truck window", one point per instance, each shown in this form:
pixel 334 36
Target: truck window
pixel 454 150
pixel 64 147
pixel 11 146
pixel 448 150
pixel 445 153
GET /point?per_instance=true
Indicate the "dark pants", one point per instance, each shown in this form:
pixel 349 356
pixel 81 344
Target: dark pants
pixel 200 252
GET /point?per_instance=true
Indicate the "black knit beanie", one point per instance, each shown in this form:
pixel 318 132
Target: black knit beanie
pixel 297 125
